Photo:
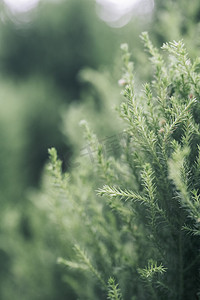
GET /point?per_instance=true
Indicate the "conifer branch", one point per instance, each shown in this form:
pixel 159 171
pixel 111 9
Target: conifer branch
pixel 114 292
pixel 71 264
pixel 83 257
pixel 55 169
pixel 178 50
pixel 179 114
pixel 149 275
pixel 151 270
pixel 161 79
pixel 188 199
pixel 116 192
pixel 193 231
pixel 122 194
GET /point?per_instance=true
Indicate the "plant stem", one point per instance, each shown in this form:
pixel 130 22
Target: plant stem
pixel 180 266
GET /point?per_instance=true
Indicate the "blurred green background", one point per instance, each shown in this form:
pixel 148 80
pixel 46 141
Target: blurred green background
pixel 59 64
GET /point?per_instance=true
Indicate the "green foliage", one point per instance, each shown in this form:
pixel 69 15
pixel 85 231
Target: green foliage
pixel 142 226
pixel 132 206
pixel 149 272
pixel 24 146
pixel 114 292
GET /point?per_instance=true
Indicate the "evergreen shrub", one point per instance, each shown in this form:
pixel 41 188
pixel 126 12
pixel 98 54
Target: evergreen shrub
pixel 129 223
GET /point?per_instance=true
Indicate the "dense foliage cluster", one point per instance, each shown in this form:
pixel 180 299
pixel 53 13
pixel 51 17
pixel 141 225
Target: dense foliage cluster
pixel 144 232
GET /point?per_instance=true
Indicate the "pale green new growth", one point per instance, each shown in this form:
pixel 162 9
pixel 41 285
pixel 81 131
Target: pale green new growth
pixel 151 270
pixel 55 168
pixel 71 264
pixel 114 292
pixel 161 79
